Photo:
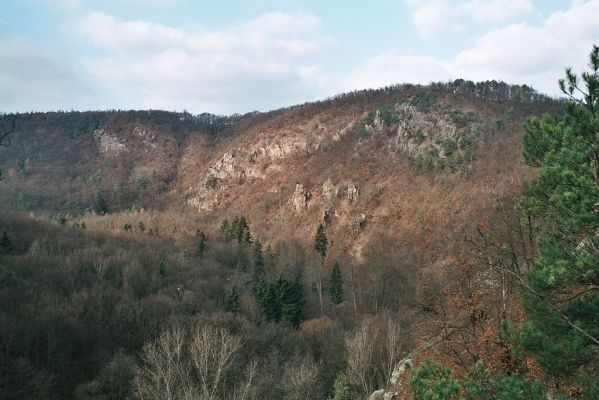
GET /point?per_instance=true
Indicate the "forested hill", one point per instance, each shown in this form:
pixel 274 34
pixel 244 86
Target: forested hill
pixel 302 252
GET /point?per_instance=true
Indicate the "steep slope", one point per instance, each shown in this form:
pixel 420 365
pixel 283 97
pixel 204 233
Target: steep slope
pixel 416 163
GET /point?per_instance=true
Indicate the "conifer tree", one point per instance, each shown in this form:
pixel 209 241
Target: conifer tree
pixel 100 205
pixel 291 296
pixel 225 229
pixel 258 261
pixel 233 302
pixel 563 330
pixel 162 269
pixel 321 244
pixel 268 299
pixel 5 244
pixel 336 285
pixel 201 245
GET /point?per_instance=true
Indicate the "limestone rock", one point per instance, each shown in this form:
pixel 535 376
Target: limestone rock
pixel 400 370
pixel 329 191
pixel 299 198
pixel 377 395
pixel 352 193
pixel 109 143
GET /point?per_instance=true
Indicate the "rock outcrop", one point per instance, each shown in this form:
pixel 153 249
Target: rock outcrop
pixel 109 143
pixel 299 198
pixel 329 191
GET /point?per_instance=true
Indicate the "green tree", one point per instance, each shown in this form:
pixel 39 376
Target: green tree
pixel 336 284
pixel 258 261
pixel 291 297
pixel 6 245
pixel 321 244
pixel 201 244
pixel 225 230
pixel 268 299
pixel 100 205
pixel 562 296
pixel 162 269
pixel 282 299
pixel 233 301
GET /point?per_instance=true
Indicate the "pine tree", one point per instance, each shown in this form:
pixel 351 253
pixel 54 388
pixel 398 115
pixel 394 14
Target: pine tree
pixel 225 230
pixel 201 245
pixel 100 205
pixel 320 241
pixel 258 261
pixel 291 296
pixel 563 331
pixel 233 302
pixel 268 299
pixel 5 244
pixel 321 246
pixel 336 285
pixel 162 269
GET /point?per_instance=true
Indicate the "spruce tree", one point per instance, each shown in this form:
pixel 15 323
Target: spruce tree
pixel 336 284
pixel 233 301
pixel 258 261
pixel 201 244
pixel 321 242
pixel 562 331
pixel 291 296
pixel 225 230
pixel 268 299
pixel 5 244
pixel 100 205
pixel 162 269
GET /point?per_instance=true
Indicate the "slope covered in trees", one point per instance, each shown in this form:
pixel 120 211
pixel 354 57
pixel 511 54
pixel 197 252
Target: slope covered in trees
pixel 295 254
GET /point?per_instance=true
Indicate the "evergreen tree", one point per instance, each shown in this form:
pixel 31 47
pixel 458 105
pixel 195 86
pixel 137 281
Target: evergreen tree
pixel 291 296
pixel 320 241
pixel 336 284
pixel 162 269
pixel 268 299
pixel 201 246
pixel 225 230
pixel 321 246
pixel 233 302
pixel 100 205
pixel 258 261
pixel 563 331
pixel 5 244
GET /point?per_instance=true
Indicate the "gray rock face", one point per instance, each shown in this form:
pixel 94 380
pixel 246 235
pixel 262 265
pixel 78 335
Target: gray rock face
pixel 352 193
pixel 329 191
pixel 377 395
pixel 399 370
pixel 299 198
pixel 109 143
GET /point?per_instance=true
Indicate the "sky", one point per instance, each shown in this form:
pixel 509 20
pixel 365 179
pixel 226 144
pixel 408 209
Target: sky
pixel 237 56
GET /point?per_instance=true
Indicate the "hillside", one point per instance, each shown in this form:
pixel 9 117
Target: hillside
pixel 399 177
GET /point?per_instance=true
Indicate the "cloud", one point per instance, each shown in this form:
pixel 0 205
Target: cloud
pixel 31 79
pixel 434 18
pixel 258 63
pixel 518 53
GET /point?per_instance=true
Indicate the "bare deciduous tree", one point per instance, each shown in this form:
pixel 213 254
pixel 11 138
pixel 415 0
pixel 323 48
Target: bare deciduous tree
pixel 191 364
pixel 300 379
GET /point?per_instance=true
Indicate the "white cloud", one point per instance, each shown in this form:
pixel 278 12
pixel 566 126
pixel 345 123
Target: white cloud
pixel 260 62
pixel 434 18
pixel 517 53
